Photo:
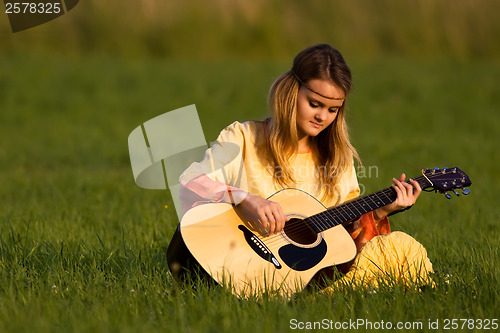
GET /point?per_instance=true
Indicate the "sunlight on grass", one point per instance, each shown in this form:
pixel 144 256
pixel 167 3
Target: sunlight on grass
pixel 82 248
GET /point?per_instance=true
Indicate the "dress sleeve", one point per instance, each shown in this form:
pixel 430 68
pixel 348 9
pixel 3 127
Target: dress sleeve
pixel 216 177
pixel 365 228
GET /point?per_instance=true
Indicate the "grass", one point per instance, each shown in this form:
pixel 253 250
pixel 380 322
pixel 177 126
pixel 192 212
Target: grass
pixel 82 248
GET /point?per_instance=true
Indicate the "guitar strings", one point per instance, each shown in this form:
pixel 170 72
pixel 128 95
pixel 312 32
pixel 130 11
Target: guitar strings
pixel 341 210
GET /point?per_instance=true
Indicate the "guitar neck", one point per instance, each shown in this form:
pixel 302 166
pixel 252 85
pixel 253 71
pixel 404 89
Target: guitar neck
pixel 355 208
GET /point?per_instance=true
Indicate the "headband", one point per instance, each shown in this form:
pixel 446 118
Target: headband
pixel 314 91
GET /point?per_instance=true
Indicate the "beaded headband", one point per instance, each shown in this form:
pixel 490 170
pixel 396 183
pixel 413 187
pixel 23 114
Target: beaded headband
pixel 314 91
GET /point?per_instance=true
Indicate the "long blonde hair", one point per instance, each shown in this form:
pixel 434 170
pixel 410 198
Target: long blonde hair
pixel 331 149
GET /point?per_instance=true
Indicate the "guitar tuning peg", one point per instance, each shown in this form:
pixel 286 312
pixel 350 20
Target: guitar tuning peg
pixel 447 195
pixel 465 191
pixel 456 193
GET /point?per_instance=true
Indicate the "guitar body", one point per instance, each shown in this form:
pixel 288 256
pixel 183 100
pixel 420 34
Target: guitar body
pixel 217 239
pixel 237 254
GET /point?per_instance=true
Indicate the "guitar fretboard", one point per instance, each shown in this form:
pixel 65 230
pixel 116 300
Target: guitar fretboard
pixel 355 208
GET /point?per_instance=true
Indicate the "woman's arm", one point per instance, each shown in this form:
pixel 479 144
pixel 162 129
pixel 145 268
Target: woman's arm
pixel 202 189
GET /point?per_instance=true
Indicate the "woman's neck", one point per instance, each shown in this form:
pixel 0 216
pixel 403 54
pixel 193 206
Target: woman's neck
pixel 303 145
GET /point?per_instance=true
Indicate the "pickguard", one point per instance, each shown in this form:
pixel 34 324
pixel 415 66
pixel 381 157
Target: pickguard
pixel 302 258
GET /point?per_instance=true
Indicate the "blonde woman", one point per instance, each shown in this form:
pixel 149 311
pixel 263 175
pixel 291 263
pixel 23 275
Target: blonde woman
pixel 305 145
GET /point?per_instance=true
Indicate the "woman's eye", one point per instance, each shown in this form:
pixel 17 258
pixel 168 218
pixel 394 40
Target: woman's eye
pixel 313 105
pixel 333 110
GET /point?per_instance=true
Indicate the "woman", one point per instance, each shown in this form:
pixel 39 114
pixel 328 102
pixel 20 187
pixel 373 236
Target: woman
pixel 305 145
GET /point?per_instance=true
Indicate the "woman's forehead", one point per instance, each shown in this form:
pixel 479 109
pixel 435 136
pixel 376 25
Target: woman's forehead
pixel 325 91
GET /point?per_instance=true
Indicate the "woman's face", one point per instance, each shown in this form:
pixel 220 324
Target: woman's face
pixel 314 112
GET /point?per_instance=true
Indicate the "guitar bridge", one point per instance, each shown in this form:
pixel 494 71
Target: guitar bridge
pixel 259 247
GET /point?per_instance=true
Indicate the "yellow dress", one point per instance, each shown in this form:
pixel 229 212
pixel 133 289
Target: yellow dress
pixel 233 160
pixel 232 165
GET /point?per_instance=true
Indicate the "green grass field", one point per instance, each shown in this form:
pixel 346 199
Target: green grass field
pixel 82 248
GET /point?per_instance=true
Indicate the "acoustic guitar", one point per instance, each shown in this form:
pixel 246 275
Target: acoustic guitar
pixel 217 240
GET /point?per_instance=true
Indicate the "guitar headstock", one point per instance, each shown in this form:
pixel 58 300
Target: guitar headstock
pixel 447 179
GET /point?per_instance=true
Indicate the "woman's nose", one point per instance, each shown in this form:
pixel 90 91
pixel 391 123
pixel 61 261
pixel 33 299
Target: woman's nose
pixel 320 114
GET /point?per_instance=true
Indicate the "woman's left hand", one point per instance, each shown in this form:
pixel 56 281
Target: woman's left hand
pixel 407 194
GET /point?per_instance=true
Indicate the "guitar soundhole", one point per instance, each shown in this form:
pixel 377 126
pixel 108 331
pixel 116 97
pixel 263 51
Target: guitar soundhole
pixel 299 232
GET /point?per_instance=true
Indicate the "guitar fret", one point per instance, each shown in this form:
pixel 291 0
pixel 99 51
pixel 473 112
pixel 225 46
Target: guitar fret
pixel 332 215
pixel 350 215
pixel 370 197
pixel 333 218
pixel 351 210
pixel 340 209
pixel 322 222
pixel 383 192
pixel 354 209
pixel 369 204
pixel 379 202
pixel 364 204
pixel 316 223
pixel 339 215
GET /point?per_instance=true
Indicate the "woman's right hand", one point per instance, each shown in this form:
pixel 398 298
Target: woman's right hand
pixel 268 213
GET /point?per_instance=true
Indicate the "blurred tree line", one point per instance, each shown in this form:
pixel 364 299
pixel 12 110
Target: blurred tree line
pixel 267 29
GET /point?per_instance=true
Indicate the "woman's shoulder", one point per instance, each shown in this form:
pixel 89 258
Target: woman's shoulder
pixel 246 126
pixel 246 130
